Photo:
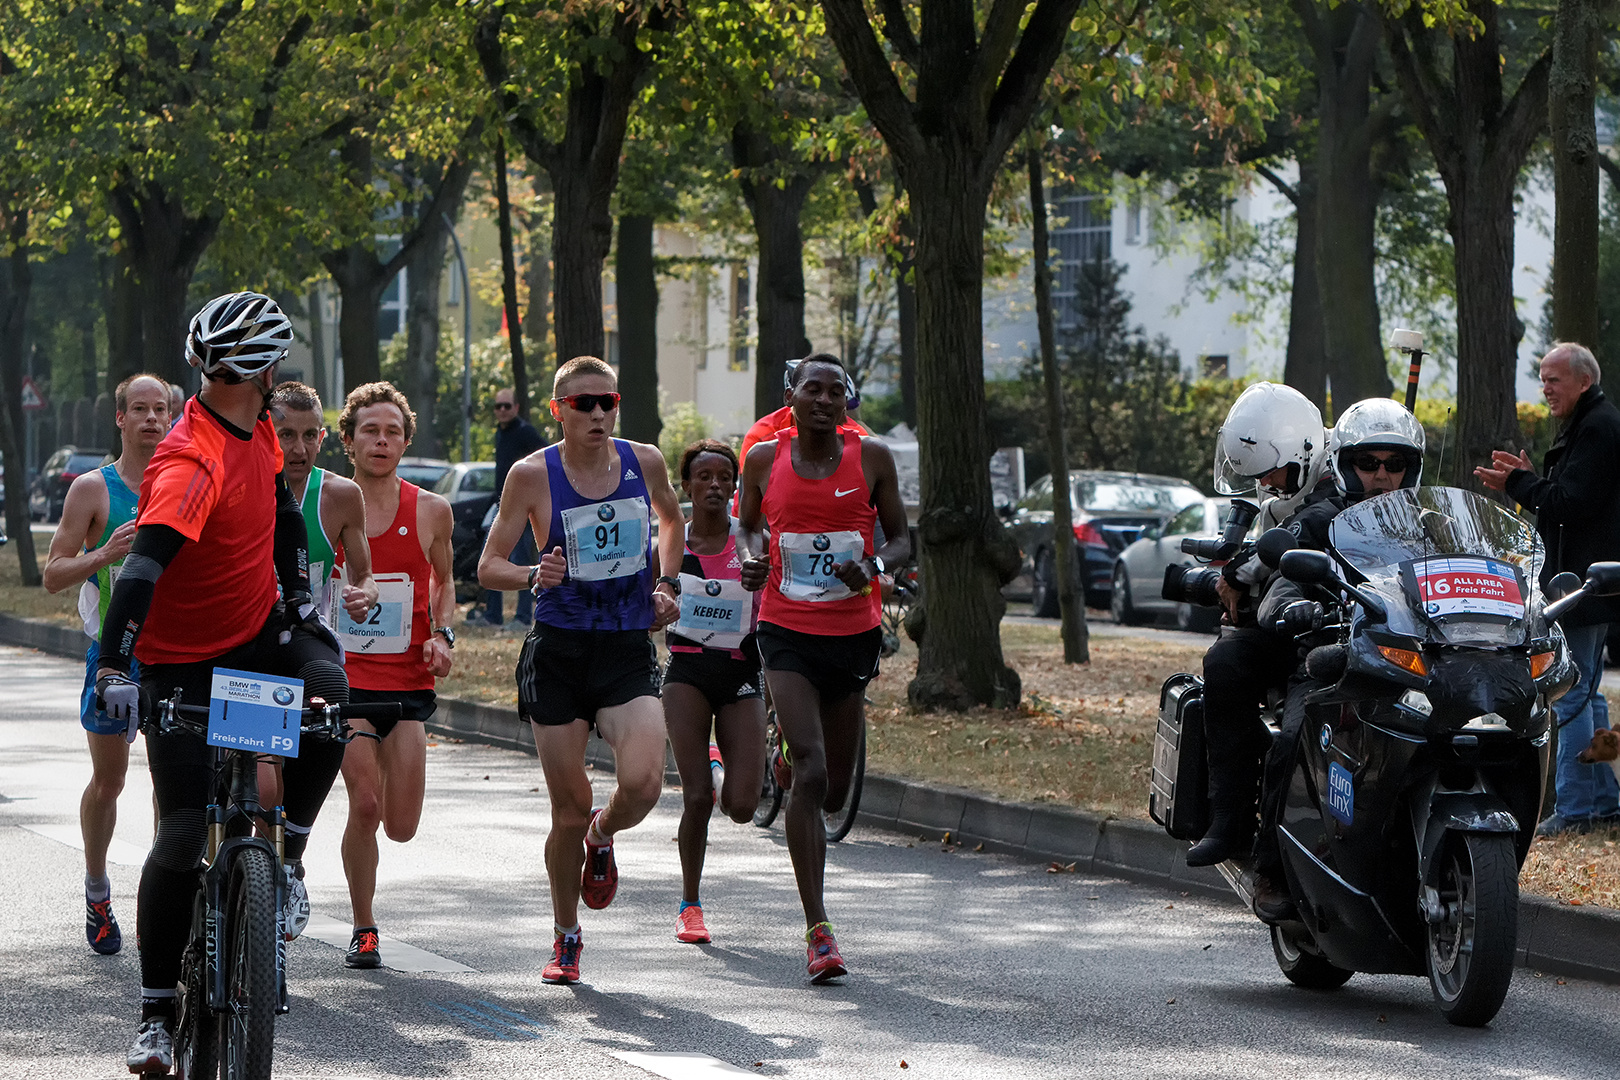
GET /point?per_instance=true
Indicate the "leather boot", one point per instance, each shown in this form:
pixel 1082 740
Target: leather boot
pixel 1234 780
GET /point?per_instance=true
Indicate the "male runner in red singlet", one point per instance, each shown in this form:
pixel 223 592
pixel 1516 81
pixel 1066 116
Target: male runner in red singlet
pixel 91 540
pixel 820 491
pixel 394 652
pixel 588 660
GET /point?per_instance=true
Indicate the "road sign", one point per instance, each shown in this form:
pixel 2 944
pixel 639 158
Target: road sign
pixel 32 399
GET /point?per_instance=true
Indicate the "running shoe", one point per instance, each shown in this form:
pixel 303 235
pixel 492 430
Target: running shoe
pixel 296 914
pixel 153 1051
pixel 782 767
pixel 100 927
pixel 717 774
pixel 564 966
pixel 363 952
pixel 824 960
pixel 600 880
pixel 689 926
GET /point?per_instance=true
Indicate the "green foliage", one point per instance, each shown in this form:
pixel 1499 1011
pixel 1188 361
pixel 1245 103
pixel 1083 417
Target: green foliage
pixel 1537 430
pixel 491 371
pixel 683 426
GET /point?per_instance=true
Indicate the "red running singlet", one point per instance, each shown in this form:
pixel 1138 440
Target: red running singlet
pixel 384 652
pixel 815 525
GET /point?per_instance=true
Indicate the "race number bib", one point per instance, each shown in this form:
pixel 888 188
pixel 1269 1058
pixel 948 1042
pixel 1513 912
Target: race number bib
pixel 1463 585
pixel 714 612
pixel 386 628
pixel 606 540
pixel 251 711
pixel 808 562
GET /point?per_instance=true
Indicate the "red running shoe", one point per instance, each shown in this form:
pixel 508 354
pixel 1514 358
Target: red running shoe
pixel 599 882
pixel 564 966
pixel 824 960
pixel 689 926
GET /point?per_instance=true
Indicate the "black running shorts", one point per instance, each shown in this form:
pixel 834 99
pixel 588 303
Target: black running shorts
pixel 566 675
pixel 416 706
pixel 722 679
pixel 836 665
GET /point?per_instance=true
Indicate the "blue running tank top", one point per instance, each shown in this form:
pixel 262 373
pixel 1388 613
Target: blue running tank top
pixel 609 583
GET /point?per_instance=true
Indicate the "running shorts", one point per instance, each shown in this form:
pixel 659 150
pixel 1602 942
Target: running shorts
pixel 722 679
pixel 415 706
pixel 91 717
pixel 566 675
pixel 836 665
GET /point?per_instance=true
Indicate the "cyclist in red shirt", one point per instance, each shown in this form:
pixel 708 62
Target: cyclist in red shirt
pixel 821 491
pixel 218 531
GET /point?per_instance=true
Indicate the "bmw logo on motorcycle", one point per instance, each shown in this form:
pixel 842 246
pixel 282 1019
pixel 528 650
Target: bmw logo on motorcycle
pixel 1325 737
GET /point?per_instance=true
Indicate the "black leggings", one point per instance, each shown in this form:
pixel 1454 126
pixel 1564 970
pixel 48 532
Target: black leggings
pixel 181 765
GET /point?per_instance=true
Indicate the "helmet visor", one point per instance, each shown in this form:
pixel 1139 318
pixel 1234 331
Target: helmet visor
pixel 1229 479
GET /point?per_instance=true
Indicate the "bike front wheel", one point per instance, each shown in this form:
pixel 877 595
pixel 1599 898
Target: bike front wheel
pixel 839 822
pixel 247 1026
pixel 770 792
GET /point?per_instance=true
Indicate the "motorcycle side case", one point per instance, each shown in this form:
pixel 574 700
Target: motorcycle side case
pixel 1178 793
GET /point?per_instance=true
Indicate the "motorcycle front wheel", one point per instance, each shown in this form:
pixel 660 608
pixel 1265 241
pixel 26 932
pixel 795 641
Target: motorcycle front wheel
pixel 1471 948
pixel 1302 968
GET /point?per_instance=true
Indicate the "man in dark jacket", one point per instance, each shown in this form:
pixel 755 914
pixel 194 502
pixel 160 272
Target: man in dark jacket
pixel 515 439
pixel 1577 507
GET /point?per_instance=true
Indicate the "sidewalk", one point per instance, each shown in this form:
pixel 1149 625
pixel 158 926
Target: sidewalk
pixel 1580 941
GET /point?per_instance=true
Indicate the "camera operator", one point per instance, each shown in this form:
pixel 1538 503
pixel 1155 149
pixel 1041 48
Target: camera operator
pixel 1376 447
pixel 1273 442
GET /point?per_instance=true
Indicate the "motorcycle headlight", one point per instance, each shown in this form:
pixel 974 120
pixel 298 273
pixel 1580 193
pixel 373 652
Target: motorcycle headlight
pixel 1418 702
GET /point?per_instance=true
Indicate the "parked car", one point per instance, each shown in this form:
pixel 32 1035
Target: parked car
pixel 470 488
pixel 424 472
pixel 1110 510
pixel 1139 571
pixel 49 490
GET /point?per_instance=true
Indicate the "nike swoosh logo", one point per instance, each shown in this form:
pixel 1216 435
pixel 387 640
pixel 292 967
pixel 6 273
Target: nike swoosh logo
pixel 840 494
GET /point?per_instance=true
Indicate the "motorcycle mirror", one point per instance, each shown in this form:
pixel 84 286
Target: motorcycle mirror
pixel 1562 585
pixel 1273 544
pixel 1307 567
pixel 1603 579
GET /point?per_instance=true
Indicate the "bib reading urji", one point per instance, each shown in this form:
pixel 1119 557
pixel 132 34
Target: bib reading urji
pixel 609 580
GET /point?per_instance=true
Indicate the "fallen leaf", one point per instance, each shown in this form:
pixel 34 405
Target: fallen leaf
pixel 1381 1019
pixel 759 1064
pixel 903 1064
pixel 945 839
pixel 534 789
pixel 1167 907
pixel 1208 947
pixel 979 846
pixel 1170 1001
pixel 1558 982
pixel 1093 898
pixel 486 776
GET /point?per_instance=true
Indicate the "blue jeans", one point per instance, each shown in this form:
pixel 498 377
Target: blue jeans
pixel 1584 790
pixel 523 554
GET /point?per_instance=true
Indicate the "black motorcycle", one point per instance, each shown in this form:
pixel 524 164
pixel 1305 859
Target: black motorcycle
pixel 1416 764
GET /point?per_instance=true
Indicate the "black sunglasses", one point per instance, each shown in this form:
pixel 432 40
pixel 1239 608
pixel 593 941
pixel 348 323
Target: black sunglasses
pixel 1393 466
pixel 589 402
pixel 505 405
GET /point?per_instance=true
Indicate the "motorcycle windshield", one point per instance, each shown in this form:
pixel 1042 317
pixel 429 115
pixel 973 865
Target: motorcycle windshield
pixel 1463 565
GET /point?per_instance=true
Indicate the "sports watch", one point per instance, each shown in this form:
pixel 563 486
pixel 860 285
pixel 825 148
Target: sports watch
pixel 449 635
pixel 878 566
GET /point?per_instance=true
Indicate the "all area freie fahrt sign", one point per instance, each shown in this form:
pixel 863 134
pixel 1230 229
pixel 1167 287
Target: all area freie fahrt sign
pixel 32 399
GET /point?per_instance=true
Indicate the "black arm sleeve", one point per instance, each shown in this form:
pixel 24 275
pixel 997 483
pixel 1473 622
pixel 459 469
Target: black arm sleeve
pixel 292 541
pixel 131 598
pixel 1584 489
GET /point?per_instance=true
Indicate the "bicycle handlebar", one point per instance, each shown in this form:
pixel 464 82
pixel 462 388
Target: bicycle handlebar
pixel 323 720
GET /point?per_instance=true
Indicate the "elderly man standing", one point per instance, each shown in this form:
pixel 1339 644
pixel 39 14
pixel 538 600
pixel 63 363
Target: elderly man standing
pixel 1577 506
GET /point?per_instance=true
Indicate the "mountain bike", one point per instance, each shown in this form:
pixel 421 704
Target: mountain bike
pixel 233 973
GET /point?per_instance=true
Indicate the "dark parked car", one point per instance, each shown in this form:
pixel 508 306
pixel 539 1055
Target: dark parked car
pixel 50 487
pixel 424 472
pixel 1110 510
pixel 470 488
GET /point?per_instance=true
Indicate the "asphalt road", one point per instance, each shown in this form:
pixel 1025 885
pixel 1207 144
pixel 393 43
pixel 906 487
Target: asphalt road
pixel 963 965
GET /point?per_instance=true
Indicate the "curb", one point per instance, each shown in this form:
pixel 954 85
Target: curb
pixel 1583 942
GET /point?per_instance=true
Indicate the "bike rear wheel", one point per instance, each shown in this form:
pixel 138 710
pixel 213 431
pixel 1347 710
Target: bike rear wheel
pixel 770 792
pixel 247 1027
pixel 196 1032
pixel 839 822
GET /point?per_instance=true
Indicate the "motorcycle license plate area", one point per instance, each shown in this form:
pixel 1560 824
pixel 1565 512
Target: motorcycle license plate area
pixel 248 710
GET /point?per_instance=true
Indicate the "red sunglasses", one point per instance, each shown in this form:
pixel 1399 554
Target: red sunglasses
pixel 589 402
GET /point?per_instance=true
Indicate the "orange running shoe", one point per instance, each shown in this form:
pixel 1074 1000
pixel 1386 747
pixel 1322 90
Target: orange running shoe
pixel 564 966
pixel 824 960
pixel 689 926
pixel 782 767
pixel 599 882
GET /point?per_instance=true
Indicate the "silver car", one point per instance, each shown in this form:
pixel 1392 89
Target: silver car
pixel 1139 570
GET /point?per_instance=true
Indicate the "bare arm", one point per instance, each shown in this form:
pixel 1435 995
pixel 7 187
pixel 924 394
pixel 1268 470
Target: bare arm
pixel 884 482
pixel 434 523
pixel 751 515
pixel 348 512
pixel 84 516
pixel 671 529
pixel 527 495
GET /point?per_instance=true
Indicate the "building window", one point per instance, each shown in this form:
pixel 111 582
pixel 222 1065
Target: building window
pixel 740 317
pixel 1217 366
pixel 1133 217
pixel 391 309
pixel 1083 236
pixel 700 316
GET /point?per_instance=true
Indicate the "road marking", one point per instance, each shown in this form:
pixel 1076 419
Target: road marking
pixel 498 1022
pixel 121 852
pixel 680 1066
pixel 396 954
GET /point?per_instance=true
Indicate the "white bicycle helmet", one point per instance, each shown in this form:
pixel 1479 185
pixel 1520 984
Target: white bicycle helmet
pixel 237 336
pixel 1270 426
pixel 1376 424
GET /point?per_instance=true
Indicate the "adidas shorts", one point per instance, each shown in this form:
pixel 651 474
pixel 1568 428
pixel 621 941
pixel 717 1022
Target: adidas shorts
pixel 722 679
pixel 566 675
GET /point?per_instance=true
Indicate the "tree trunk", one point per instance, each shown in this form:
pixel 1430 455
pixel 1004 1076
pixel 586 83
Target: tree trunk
pixel 514 322
pixel 421 375
pixel 1071 609
pixel 1488 328
pixel 779 293
pixel 581 236
pixel 122 301
pixel 638 330
pixel 16 281
pixel 1347 207
pixel 358 275
pixel 905 304
pixel 1571 93
pixel 317 340
pixel 537 271
pixel 164 247
pixel 1305 368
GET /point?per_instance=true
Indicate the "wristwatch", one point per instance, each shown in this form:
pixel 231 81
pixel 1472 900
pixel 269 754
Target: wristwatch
pixel 878 566
pixel 449 635
pixel 673 583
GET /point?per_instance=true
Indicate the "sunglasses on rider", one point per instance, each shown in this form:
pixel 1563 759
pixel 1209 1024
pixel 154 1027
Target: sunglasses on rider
pixel 1394 466
pixel 589 402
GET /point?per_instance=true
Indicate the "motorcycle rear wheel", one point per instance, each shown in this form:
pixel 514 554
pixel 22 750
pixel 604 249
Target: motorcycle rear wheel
pixel 1471 949
pixel 1305 969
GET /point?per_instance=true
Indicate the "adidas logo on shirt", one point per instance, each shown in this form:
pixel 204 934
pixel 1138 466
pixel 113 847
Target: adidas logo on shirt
pixel 630 474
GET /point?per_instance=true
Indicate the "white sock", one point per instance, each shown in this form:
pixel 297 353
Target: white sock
pixel 594 835
pixel 97 889
pixel 566 932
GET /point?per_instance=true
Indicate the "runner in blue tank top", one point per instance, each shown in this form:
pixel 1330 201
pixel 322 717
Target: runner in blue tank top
pixel 94 535
pixel 589 660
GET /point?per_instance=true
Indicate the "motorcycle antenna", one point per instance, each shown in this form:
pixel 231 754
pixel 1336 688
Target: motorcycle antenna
pixel 1445 436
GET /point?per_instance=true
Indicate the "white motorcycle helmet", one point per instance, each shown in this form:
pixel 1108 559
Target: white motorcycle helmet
pixel 1270 426
pixel 1376 424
